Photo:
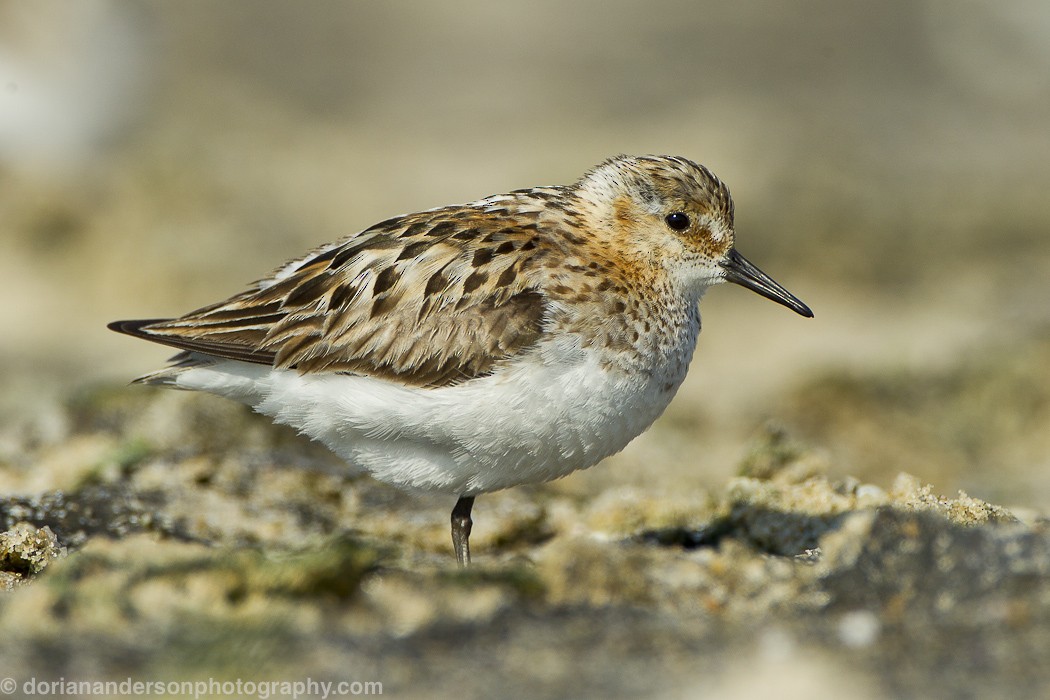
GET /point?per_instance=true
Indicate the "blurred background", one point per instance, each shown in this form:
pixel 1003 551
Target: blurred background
pixel 890 164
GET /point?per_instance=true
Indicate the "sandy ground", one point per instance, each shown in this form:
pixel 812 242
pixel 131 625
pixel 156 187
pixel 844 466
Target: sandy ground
pixel 889 166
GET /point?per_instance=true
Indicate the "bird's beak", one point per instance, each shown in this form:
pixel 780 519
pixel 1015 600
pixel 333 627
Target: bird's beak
pixel 739 270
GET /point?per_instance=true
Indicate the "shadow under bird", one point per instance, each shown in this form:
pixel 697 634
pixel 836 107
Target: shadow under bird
pixel 474 347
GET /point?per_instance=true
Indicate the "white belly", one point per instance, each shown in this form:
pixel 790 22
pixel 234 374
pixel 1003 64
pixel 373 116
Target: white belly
pixel 531 422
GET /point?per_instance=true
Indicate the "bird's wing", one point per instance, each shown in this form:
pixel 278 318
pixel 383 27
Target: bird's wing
pixel 426 299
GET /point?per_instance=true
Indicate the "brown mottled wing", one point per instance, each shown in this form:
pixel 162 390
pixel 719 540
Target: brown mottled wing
pixel 427 299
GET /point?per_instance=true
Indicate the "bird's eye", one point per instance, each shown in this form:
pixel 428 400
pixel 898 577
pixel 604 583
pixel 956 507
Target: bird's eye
pixel 679 221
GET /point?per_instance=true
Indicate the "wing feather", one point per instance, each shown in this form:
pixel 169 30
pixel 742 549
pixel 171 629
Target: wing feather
pixel 427 299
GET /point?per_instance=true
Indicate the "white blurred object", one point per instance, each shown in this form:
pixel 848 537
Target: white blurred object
pixel 70 74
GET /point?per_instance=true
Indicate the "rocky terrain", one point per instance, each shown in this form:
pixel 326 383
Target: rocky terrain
pixel 189 539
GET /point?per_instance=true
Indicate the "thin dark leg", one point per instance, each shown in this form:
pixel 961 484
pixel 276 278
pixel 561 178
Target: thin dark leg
pixel 461 523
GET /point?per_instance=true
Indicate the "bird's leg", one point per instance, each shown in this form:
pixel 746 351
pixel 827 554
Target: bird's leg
pixel 461 523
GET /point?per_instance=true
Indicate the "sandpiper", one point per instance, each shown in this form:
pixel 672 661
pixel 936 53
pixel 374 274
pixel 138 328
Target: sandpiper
pixel 473 347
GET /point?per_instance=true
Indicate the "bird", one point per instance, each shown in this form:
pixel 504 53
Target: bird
pixel 475 347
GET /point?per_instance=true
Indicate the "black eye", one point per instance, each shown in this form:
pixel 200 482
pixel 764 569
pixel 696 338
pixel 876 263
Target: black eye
pixel 679 221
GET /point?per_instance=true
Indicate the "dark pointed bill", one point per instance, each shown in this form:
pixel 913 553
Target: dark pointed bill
pixel 740 271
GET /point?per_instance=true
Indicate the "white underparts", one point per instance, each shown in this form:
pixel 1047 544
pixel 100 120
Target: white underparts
pixel 535 420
